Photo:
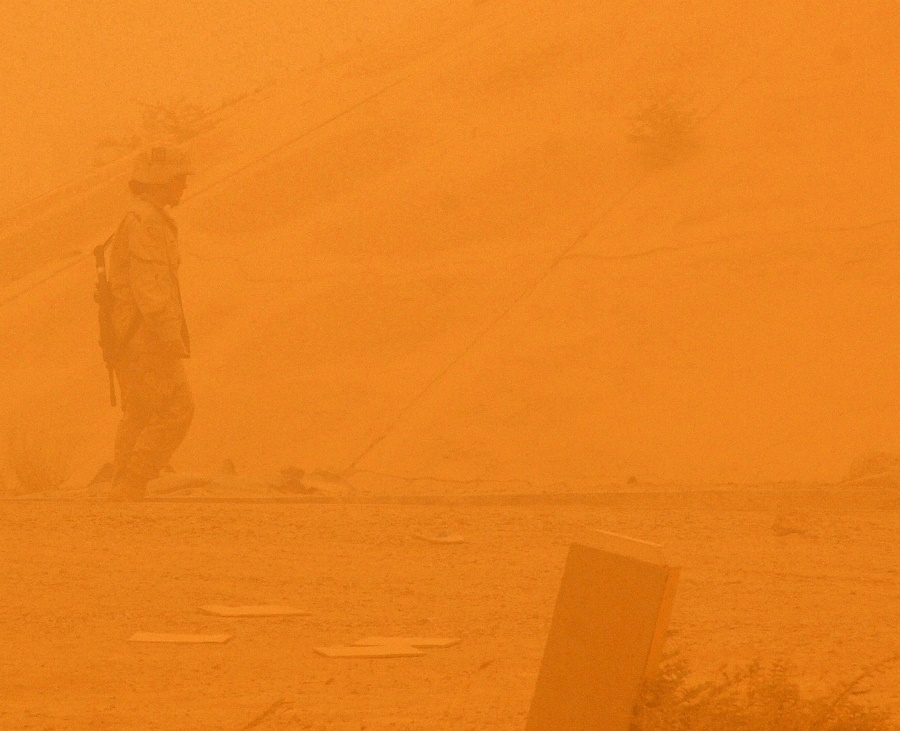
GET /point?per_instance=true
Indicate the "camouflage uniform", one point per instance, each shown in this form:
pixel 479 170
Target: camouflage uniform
pixel 153 341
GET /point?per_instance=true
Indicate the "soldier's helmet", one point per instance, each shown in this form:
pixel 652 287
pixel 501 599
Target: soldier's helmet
pixel 161 164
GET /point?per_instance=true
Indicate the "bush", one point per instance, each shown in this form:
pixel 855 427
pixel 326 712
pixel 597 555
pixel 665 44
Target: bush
pixel 37 455
pixel 112 148
pixel 663 127
pixel 755 697
pixel 176 120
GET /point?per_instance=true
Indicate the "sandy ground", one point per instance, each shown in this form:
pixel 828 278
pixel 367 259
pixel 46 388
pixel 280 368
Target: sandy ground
pixel 810 575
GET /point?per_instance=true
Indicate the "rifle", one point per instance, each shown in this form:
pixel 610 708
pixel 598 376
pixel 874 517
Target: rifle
pixel 103 296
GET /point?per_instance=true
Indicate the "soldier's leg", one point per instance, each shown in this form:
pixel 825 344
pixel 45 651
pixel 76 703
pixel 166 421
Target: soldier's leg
pixel 170 420
pixel 163 407
pixel 136 413
pixel 138 400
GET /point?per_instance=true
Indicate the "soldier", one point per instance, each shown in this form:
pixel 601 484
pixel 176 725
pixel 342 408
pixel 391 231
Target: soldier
pixel 151 334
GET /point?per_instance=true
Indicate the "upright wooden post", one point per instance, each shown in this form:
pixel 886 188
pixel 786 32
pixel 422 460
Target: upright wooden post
pixel 607 635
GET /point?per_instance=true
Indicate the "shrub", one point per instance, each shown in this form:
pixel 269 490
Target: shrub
pixel 176 120
pixel 37 455
pixel 755 697
pixel 112 148
pixel 663 127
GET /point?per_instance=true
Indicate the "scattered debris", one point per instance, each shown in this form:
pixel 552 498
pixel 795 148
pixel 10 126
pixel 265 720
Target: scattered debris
pixel 200 485
pixel 292 482
pixel 783 526
pixel 257 720
pixel 324 482
pixel 465 690
pixel 889 480
pixel 380 651
pixel 179 639
pixel 872 465
pixel 444 538
pixel 262 610
pixel 419 642
pixel 168 484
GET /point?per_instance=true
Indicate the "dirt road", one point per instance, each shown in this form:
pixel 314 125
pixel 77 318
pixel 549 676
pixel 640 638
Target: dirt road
pixel 813 578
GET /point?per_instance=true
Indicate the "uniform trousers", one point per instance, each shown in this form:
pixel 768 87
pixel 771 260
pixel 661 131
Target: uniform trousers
pixel 157 410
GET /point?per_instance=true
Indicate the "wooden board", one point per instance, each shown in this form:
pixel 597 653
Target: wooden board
pixel 607 635
pixel 443 538
pixel 382 651
pixel 408 641
pixel 262 610
pixel 179 639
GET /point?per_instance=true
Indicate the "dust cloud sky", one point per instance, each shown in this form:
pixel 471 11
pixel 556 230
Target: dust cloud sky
pixel 72 71
pixel 504 241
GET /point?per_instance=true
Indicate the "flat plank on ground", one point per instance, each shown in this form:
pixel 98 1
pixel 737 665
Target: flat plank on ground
pixel 407 641
pixel 440 538
pixel 382 651
pixel 260 610
pixel 179 639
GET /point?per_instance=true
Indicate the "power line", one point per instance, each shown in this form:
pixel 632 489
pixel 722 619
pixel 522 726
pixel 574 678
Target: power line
pixel 547 272
pixel 428 57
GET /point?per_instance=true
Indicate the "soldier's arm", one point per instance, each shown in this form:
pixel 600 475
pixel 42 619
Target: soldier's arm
pixel 152 282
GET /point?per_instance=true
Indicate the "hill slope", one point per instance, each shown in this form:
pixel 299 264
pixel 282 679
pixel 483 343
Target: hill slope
pixel 450 259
